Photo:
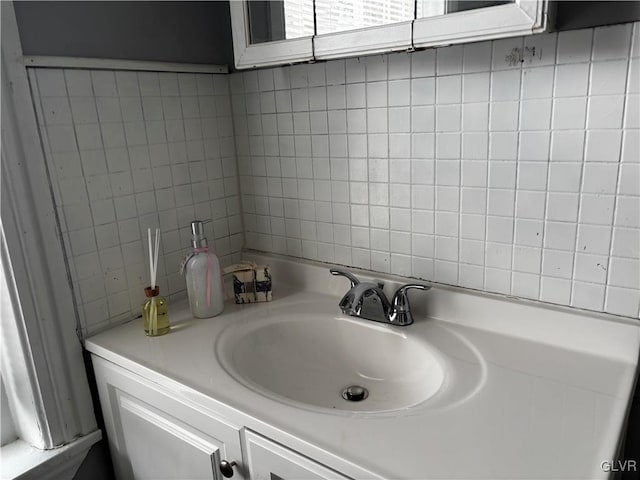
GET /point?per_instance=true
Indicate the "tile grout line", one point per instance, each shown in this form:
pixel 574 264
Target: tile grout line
pixel 488 137
pixel 434 159
pixel 582 162
pixel 137 216
pixel 521 100
pixel 459 160
pixel 616 196
pixel 84 177
pixel 548 172
pixel 581 192
pixel 52 176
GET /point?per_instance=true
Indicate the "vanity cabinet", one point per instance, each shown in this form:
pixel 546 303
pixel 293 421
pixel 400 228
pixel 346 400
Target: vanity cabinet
pixel 187 401
pixel 155 433
pixel 152 435
pixel 267 460
pixel 154 441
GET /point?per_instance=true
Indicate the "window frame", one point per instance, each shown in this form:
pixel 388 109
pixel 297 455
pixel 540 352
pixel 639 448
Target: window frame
pixel 263 54
pixel 9 433
pixel 40 353
pixel 364 41
pixel 523 17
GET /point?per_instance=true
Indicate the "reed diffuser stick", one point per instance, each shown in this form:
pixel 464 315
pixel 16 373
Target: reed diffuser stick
pixel 153 270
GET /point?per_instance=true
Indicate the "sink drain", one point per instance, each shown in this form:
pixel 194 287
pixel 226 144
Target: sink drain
pixel 355 393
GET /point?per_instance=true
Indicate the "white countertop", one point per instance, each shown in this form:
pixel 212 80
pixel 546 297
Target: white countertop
pixel 550 404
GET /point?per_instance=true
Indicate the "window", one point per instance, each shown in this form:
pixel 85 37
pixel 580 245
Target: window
pixel 334 16
pixel 287 31
pixel 271 21
pixel 298 16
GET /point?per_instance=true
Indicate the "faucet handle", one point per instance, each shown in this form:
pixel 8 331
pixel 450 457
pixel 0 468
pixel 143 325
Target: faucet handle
pixel 352 278
pixel 400 300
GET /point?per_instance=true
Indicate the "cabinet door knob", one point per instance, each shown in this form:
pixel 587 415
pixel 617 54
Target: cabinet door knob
pixel 226 468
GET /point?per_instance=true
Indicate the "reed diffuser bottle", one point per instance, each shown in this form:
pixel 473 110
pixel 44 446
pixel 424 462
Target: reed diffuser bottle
pixel 154 311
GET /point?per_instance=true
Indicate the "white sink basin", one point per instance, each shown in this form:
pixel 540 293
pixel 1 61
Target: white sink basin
pixel 310 361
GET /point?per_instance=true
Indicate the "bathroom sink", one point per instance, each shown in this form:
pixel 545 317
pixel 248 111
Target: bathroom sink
pixel 332 362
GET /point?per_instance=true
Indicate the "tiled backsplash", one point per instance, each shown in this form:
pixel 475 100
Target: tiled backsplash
pixel 131 150
pixel 509 166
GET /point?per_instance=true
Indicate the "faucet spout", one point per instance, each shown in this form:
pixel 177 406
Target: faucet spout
pixel 367 300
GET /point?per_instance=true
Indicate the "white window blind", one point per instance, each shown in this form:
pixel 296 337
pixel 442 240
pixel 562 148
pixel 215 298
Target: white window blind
pixel 298 18
pixel 342 15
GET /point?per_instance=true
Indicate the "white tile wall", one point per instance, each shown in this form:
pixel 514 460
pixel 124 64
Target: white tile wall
pixel 131 150
pixel 456 165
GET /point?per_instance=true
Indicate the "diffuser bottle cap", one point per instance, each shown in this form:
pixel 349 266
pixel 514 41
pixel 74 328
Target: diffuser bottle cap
pixel 152 292
pixel 198 240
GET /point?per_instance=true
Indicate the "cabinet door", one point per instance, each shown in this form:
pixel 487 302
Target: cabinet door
pixel 154 436
pixel 269 461
pixel 160 446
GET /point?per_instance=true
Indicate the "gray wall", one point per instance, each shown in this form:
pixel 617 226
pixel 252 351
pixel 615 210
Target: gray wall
pixel 571 15
pixel 186 32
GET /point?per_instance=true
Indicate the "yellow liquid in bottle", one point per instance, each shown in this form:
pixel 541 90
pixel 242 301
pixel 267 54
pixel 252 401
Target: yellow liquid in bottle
pixel 156 316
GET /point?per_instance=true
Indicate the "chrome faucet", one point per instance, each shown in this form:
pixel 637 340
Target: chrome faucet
pixel 367 300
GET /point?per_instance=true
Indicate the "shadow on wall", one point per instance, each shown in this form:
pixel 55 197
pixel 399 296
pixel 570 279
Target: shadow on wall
pixel 571 15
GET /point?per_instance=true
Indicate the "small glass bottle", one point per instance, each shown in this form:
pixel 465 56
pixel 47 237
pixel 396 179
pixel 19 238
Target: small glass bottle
pixel 155 313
